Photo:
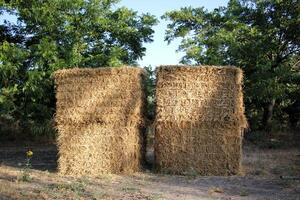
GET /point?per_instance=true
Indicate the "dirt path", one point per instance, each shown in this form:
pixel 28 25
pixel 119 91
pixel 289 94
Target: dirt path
pixel 263 169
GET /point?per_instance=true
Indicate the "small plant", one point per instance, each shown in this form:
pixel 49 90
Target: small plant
pixel 26 171
pixel 74 187
pixel 191 173
pixel 70 190
pixel 130 189
pixel 244 193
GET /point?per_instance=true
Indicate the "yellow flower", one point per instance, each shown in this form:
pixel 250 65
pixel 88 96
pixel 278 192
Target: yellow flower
pixel 29 153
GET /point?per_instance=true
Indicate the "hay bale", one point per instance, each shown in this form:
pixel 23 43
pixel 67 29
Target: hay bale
pixel 199 120
pixel 100 120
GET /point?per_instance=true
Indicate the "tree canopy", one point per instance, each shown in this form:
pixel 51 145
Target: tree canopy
pixel 56 34
pixel 262 37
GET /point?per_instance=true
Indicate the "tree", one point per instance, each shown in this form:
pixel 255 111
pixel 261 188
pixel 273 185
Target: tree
pixel 150 84
pixel 56 34
pixel 262 37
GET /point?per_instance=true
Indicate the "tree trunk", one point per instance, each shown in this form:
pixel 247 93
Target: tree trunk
pixel 267 116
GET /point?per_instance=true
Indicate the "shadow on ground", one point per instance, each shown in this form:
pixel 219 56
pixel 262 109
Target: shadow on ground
pixel 261 180
pixel 44 156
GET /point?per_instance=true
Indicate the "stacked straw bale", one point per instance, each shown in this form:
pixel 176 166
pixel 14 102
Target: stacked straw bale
pixel 100 120
pixel 199 120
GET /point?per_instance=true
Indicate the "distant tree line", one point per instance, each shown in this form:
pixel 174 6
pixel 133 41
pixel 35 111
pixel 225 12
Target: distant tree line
pixel 261 37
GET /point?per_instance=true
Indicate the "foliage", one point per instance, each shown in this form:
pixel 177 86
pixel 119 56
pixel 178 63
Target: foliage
pixel 56 34
pixel 262 37
pixel 150 91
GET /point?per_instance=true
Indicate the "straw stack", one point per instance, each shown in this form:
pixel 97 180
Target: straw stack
pixel 200 118
pixel 100 120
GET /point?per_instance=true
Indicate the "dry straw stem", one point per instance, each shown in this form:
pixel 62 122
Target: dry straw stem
pixel 199 120
pixel 100 120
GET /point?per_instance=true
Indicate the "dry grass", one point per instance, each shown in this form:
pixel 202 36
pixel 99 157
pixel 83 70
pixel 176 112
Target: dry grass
pixel 148 186
pixel 271 162
pixel 199 120
pixel 100 120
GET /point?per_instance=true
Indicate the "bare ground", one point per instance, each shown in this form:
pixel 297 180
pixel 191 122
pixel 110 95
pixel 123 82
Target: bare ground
pixel 262 171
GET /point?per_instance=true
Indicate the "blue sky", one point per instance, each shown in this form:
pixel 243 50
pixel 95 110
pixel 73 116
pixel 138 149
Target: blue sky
pixel 159 52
